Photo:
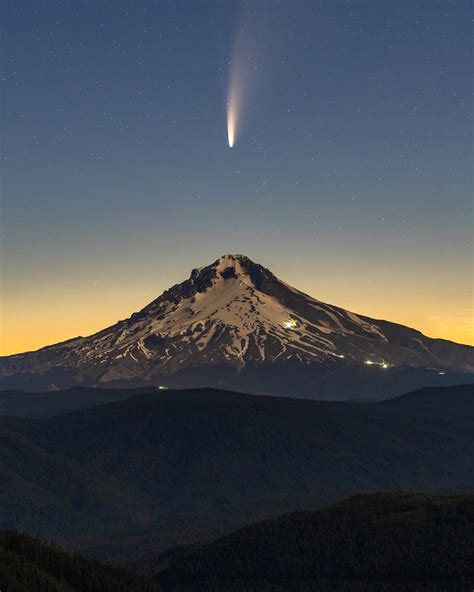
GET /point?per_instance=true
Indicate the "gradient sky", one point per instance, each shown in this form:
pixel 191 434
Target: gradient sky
pixel 350 178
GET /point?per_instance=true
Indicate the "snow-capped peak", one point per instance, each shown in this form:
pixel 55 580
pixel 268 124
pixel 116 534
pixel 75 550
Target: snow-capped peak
pixel 236 313
pixel 229 267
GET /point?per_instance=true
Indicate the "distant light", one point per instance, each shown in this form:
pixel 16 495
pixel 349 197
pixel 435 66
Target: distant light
pixel 383 365
pixel 162 387
pixel 289 324
pixel 340 355
pixel 441 373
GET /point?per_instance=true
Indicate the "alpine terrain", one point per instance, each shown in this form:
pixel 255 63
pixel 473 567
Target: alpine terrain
pixel 233 324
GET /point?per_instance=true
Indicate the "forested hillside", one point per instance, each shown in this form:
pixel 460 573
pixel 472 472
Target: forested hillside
pixel 389 542
pixel 28 565
pixel 377 542
pixel 135 477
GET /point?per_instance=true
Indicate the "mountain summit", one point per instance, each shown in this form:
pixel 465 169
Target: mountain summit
pixel 233 323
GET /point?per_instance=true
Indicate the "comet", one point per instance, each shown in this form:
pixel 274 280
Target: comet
pixel 235 102
pixel 236 92
pixel 243 68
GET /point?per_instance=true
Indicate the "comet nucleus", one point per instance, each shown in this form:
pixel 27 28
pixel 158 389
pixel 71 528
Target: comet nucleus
pixel 230 125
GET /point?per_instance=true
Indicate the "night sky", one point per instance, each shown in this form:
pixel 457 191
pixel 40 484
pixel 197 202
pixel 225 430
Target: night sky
pixel 350 177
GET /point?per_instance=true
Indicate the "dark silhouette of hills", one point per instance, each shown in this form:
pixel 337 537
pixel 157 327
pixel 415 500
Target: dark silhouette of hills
pixel 397 542
pixel 379 542
pixel 29 565
pixel 166 468
pixel 47 404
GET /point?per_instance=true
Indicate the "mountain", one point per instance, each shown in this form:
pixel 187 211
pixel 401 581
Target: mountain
pixel 142 474
pixel 385 541
pixel 234 325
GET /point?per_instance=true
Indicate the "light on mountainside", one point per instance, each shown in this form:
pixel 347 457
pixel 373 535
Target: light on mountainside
pixel 383 365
